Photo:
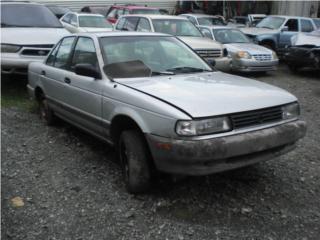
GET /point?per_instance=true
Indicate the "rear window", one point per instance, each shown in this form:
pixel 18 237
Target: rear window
pixel 28 15
pixel 94 22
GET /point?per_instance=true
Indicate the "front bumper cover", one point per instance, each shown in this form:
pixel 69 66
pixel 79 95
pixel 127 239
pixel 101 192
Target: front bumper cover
pixel 202 157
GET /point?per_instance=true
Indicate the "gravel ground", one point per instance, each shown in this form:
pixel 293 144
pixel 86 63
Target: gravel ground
pixel 60 183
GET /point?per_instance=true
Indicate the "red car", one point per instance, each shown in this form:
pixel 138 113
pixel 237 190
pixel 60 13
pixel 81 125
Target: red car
pixel 116 11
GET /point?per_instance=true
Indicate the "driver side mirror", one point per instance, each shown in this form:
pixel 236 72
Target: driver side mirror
pixel 87 70
pixel 285 29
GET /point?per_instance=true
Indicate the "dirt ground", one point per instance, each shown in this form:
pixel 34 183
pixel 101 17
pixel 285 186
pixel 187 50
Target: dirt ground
pixel 60 183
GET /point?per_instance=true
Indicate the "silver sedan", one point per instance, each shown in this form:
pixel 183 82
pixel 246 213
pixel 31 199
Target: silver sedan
pixel 162 106
pixel 246 55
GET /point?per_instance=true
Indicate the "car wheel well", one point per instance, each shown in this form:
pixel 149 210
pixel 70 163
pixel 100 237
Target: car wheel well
pixel 38 94
pixel 119 124
pixel 268 43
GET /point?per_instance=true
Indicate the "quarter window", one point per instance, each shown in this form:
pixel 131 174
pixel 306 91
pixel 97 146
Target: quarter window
pixel 52 56
pixel 292 25
pixel 84 53
pixel 120 24
pixel 143 25
pixel 62 56
pixel 306 26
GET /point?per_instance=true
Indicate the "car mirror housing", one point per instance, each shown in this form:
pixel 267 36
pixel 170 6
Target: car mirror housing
pixel 87 70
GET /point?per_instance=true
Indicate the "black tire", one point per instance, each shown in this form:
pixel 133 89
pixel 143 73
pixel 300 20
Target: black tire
pixel 134 157
pixel 293 68
pixel 45 112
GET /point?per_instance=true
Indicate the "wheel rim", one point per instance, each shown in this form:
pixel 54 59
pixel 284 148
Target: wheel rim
pixel 124 160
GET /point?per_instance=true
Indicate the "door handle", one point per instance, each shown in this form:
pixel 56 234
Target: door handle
pixel 43 73
pixel 67 80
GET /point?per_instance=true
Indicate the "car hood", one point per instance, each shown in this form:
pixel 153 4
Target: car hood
pixel 302 39
pixel 91 29
pixel 200 43
pixel 258 31
pixel 248 47
pixel 210 94
pixel 32 36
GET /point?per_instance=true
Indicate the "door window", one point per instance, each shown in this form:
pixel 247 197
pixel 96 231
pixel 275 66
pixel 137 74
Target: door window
pixel 66 18
pixel 113 13
pixel 84 53
pixel 120 24
pixel 131 23
pixel 143 25
pixel 52 56
pixel 193 20
pixel 292 25
pixel 306 26
pixel 63 54
pixel 73 20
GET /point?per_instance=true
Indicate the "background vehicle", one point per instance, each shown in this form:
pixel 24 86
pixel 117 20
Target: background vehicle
pixel 304 52
pixel 246 21
pixel 246 56
pixel 183 29
pixel 97 9
pixel 58 11
pixel 141 94
pixel 275 32
pixel 116 11
pixel 204 19
pixel 28 32
pixel 83 22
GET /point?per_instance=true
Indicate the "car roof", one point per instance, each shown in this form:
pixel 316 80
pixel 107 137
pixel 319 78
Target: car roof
pixel 218 27
pixel 156 16
pixel 86 14
pixel 20 2
pixel 121 34
pixel 285 16
pixel 132 7
pixel 198 15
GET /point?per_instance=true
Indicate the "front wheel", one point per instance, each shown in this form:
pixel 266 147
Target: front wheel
pixel 46 114
pixel 134 157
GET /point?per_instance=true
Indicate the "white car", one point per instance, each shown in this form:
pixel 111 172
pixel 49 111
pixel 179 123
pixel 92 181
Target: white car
pixel 84 22
pixel 28 32
pixel 246 55
pixel 204 19
pixel 183 29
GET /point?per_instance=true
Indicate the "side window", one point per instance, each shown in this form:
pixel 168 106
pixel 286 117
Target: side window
pixel 84 52
pixel 120 24
pixel 126 12
pixel 206 32
pixel 143 25
pixel 119 13
pixel 73 20
pixel 317 22
pixel 292 25
pixel 63 53
pixel 52 56
pixel 112 14
pixel 306 26
pixel 131 23
pixel 66 18
pixel 193 20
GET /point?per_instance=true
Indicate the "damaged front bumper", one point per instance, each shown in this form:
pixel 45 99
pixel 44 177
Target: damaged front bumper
pixel 202 157
pixel 303 56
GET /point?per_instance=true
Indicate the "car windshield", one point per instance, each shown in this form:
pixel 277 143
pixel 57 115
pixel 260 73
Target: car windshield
pixel 145 11
pixel 210 21
pixel 230 36
pixel 271 22
pixel 94 22
pixel 162 55
pixel 28 15
pixel 176 27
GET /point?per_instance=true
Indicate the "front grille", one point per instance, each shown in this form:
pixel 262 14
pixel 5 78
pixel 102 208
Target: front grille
pixel 35 52
pixel 256 117
pixel 262 57
pixel 209 53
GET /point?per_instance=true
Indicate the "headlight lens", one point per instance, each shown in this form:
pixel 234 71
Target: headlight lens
pixel 243 54
pixel 274 55
pixel 290 111
pixel 202 127
pixel 9 48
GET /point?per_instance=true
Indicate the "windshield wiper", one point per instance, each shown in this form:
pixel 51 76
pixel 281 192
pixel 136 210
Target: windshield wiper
pixel 155 73
pixel 187 69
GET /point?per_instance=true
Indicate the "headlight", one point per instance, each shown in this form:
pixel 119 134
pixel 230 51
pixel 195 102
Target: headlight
pixel 243 54
pixel 202 127
pixel 274 55
pixel 9 48
pixel 290 111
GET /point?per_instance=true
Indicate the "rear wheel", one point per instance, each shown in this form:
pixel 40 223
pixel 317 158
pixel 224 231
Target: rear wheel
pixel 134 157
pixel 293 68
pixel 45 112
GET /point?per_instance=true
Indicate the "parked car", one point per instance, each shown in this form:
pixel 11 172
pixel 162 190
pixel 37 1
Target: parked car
pixel 275 32
pixel 58 11
pixel 96 9
pixel 118 10
pixel 162 106
pixel 84 22
pixel 28 32
pixel 246 21
pixel 304 52
pixel 316 22
pixel 204 19
pixel 182 28
pixel 246 56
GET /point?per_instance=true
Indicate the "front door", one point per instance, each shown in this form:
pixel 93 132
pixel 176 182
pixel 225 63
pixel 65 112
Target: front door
pixel 285 35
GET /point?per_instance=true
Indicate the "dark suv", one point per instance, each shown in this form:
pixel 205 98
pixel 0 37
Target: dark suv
pixel 116 11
